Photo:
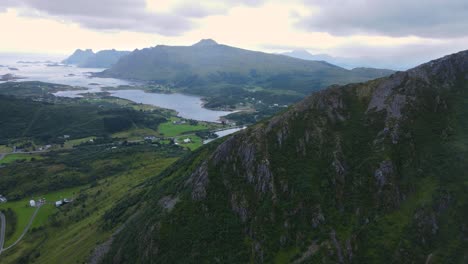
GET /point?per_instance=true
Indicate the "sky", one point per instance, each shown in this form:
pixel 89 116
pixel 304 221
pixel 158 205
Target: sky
pixel 400 32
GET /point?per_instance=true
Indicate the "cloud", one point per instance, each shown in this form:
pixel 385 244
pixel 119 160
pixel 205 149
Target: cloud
pixel 197 11
pixel 165 17
pixel 6 4
pixel 127 15
pixel 397 18
pixel 201 9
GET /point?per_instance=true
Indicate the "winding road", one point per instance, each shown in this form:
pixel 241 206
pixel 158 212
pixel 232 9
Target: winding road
pixel 2 231
pixel 2 234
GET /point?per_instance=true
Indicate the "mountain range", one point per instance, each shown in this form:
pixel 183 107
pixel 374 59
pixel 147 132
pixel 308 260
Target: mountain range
pixel 347 62
pixel 207 66
pixel 88 59
pixel 371 172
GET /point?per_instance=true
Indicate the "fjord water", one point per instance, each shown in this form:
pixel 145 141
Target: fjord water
pixel 42 68
pixel 187 106
pixel 46 69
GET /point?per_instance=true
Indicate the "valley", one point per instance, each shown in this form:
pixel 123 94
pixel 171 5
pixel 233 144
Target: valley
pixel 233 132
pixel 128 171
pixel 92 150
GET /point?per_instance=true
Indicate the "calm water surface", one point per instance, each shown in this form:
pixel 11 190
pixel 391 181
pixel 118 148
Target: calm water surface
pixel 187 106
pixel 46 69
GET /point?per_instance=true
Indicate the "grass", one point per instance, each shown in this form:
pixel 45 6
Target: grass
pixel 196 142
pixel 5 149
pixel 389 230
pixel 135 133
pixel 75 240
pixel 19 157
pixel 122 102
pixel 75 142
pixel 71 232
pixel 169 129
pixel 24 212
pixel 49 208
pixel 286 255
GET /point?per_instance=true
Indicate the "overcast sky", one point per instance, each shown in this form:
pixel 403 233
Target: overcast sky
pixel 409 31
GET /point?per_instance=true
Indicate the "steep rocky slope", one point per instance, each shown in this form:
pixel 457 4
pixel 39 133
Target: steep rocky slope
pixel 363 173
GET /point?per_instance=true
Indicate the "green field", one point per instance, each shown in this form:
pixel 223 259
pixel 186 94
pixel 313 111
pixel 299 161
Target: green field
pixel 24 212
pixel 136 134
pixel 72 231
pixel 75 142
pixel 196 142
pixel 19 157
pixel 170 129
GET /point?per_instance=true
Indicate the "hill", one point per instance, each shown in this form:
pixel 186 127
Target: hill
pixel 363 173
pixel 89 59
pixel 47 122
pixel 209 68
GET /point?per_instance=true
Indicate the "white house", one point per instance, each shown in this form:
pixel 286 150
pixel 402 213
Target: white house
pixel 187 140
pixel 32 203
pixel 58 203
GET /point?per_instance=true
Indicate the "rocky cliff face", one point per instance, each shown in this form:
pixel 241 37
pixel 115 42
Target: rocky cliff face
pixel 363 173
pixel 89 59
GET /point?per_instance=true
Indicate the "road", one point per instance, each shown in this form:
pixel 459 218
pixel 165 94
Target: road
pixel 2 231
pixel 26 229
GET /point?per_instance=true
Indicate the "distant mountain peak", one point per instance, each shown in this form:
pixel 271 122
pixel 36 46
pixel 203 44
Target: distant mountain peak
pixel 84 51
pixel 205 42
pixel 102 59
pixel 300 51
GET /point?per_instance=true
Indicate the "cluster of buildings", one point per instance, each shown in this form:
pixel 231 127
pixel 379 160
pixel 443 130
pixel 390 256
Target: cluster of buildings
pixel 179 122
pixel 42 201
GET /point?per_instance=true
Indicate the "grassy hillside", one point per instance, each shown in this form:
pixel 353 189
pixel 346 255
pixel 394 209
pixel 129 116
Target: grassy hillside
pixel 32 89
pixel 45 122
pixel 364 173
pixel 101 177
pixel 228 73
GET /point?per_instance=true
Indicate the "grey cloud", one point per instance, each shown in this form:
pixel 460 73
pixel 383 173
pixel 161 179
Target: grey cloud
pixel 5 4
pixel 130 15
pixel 398 18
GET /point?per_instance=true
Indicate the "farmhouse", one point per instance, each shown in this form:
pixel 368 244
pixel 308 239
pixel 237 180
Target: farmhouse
pixel 179 122
pixel 62 202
